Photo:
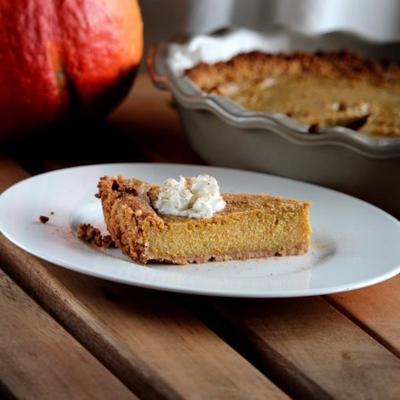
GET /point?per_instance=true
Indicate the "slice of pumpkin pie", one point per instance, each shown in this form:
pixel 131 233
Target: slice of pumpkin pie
pixel 190 221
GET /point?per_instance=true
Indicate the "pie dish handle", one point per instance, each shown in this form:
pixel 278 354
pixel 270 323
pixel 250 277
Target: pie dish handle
pixel 160 81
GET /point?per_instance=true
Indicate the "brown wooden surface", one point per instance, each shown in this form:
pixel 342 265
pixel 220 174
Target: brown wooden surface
pixel 40 360
pixel 376 309
pixel 176 346
pixel 312 348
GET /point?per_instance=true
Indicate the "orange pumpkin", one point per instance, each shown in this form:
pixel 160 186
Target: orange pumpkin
pixel 65 58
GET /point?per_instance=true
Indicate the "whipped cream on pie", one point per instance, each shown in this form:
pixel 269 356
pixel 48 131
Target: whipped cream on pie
pixel 193 197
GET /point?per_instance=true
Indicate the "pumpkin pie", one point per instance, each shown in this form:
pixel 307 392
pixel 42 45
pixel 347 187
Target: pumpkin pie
pixel 320 90
pixel 250 225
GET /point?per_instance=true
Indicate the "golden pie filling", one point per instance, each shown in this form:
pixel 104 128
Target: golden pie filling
pixel 324 101
pixel 337 89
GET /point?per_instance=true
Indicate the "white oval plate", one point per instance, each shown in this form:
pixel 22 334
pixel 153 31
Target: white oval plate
pixel 354 244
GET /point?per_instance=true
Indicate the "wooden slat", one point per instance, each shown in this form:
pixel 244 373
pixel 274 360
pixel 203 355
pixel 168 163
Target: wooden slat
pixel 311 349
pixel 376 309
pixel 146 338
pixel 40 360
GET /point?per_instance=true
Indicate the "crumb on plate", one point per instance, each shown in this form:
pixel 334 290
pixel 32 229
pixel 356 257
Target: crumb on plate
pixel 89 234
pixel 43 219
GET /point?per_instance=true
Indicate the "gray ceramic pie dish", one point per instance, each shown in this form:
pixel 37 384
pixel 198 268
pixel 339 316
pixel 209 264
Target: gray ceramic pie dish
pixel 223 133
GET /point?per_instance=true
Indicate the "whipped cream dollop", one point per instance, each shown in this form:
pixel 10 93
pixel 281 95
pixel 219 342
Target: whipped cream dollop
pixel 194 197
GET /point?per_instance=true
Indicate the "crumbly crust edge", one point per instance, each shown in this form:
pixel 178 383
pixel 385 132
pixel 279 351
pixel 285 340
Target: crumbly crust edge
pixel 256 65
pixel 127 214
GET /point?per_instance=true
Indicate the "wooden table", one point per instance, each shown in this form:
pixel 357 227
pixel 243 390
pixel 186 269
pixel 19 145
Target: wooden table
pixel 68 336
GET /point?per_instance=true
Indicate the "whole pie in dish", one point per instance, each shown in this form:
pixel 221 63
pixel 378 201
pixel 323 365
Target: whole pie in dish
pixel 320 90
pixel 249 226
